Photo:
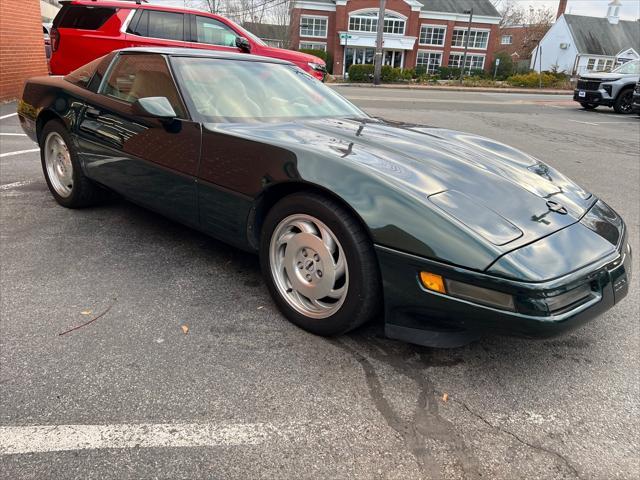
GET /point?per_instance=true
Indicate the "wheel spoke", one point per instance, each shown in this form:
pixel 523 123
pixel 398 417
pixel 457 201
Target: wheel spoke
pixel 337 293
pixel 340 265
pixel 328 240
pixel 305 226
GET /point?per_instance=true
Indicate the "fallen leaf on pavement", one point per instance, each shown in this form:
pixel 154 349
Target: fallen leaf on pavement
pixel 185 329
pixel 445 396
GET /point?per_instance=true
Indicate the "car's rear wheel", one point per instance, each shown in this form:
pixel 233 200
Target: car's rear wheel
pixel 62 170
pixel 624 101
pixel 319 264
pixel 588 106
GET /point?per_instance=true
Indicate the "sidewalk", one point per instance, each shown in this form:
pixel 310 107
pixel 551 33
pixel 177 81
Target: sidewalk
pixel 453 88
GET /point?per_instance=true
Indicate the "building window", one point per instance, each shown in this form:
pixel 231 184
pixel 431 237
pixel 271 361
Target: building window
pixel 477 38
pixel 473 61
pixel 432 35
pixel 368 22
pixel 313 46
pixel 506 40
pixel 430 60
pixel 313 27
pixel 599 64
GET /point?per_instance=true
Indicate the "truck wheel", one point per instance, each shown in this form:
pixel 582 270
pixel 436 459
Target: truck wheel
pixel 623 103
pixel 588 106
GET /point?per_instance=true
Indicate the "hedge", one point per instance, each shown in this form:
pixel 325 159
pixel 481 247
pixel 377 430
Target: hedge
pixel 532 80
pixel 389 74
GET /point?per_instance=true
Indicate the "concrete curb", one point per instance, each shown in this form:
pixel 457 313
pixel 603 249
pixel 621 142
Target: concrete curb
pixel 543 91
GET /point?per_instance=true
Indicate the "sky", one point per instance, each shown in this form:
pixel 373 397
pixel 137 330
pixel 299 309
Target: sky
pixel 596 8
pixel 630 9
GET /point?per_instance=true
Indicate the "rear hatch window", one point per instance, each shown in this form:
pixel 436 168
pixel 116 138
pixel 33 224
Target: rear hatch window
pixel 83 17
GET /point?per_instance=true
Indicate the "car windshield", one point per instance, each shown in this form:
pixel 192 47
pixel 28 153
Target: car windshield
pixel 221 90
pixel 628 68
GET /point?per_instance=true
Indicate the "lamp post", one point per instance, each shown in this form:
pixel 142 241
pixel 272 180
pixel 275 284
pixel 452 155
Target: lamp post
pixel 466 44
pixel 377 61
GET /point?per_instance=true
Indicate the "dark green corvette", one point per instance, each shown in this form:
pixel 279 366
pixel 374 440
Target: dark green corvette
pixel 449 234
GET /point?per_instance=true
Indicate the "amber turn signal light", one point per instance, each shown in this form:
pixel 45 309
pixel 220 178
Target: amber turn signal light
pixel 433 282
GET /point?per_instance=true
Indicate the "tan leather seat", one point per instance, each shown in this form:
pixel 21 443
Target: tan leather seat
pixel 156 84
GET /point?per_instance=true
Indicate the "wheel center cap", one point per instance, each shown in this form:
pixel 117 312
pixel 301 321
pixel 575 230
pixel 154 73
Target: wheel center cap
pixel 309 266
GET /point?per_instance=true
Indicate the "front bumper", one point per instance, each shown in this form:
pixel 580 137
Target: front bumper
pixel 594 97
pixel 416 315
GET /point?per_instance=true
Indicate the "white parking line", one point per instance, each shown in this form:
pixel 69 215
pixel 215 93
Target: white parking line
pixel 8 186
pixel 7 116
pixel 56 438
pixel 19 152
pixel 585 123
pixel 13 134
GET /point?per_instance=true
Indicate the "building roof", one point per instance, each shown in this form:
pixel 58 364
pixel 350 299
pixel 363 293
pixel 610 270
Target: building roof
pixel 480 7
pixel 267 31
pixel 596 36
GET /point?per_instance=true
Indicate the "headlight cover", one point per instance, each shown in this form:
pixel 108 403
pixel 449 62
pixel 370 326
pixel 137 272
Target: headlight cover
pixel 320 67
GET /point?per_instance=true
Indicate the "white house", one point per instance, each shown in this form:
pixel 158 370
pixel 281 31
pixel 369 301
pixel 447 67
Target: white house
pixel 577 44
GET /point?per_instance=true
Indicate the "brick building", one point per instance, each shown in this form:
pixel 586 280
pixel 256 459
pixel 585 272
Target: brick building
pixel 22 53
pixel 430 33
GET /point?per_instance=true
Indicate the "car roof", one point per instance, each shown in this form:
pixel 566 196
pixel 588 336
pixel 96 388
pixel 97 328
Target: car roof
pixel 134 5
pixel 200 53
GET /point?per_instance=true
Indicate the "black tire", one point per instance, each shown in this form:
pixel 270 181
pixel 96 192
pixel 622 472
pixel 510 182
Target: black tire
pixel 624 102
pixel 84 193
pixel 588 106
pixel 364 293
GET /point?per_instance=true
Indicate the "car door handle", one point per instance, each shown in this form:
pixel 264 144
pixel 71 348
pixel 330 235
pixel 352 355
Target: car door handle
pixel 92 112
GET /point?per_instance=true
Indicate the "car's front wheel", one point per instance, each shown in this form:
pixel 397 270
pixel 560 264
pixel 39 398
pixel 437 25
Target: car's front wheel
pixel 624 102
pixel 319 264
pixel 588 106
pixel 62 170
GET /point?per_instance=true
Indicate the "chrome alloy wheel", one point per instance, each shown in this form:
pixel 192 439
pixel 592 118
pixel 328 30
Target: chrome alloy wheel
pixel 308 266
pixel 58 163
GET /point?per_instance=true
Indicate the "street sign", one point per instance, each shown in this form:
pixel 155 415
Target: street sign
pixel 497 62
pixel 345 36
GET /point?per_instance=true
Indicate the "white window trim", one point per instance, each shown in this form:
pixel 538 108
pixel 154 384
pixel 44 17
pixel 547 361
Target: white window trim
pixel 323 44
pixel 474 30
pixel 324 17
pixel 502 38
pixel 484 55
pixel 361 14
pixel 441 52
pixel 428 25
pixel 376 10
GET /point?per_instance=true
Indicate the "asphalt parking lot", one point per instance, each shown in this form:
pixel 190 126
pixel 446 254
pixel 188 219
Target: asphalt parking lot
pixel 191 372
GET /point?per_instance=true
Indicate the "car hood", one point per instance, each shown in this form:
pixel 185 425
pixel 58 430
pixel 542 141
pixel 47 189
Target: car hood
pixel 604 76
pixel 501 194
pixel 290 55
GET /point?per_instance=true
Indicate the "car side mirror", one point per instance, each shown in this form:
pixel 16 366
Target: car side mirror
pixel 156 107
pixel 243 44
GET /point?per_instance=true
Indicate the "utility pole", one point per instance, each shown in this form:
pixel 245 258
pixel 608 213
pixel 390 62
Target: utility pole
pixel 466 44
pixel 377 61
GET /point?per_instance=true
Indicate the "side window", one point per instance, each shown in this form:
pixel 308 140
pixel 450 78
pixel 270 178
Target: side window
pixel 96 80
pixel 165 25
pixel 82 76
pixel 139 76
pixel 157 24
pixel 214 32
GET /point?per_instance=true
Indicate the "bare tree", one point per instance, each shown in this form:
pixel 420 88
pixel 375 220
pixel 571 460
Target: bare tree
pixel 534 21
